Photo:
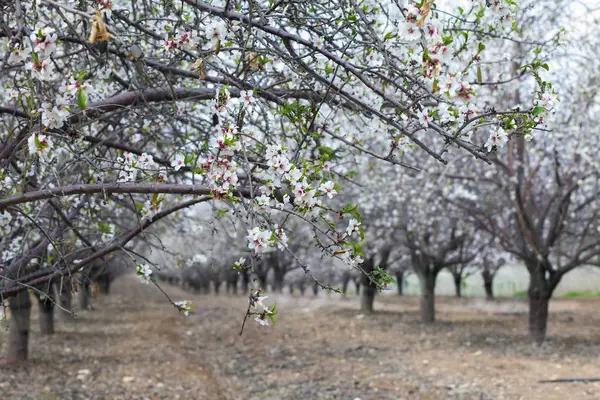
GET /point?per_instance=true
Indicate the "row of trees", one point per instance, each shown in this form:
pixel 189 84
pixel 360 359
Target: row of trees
pixel 372 130
pixel 57 298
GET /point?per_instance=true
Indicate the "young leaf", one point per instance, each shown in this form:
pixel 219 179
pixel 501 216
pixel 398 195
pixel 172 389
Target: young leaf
pixel 81 99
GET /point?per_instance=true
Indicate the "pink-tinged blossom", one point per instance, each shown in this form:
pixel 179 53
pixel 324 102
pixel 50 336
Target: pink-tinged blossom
pixel 178 162
pixel 44 41
pixel 353 226
pixel 498 139
pixel 328 189
pixel 18 54
pixel 42 69
pixel 423 117
pixel 53 116
pixel 247 97
pixel 259 240
pixel 409 32
pixel 40 145
pixel 282 239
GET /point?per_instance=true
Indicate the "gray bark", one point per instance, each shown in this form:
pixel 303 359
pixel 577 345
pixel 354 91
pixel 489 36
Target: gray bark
pixel 46 315
pixel 18 334
pixel 427 280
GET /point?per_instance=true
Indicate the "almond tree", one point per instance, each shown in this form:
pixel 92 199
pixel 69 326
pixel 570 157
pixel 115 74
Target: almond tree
pixel 490 263
pixel 136 112
pixel 540 200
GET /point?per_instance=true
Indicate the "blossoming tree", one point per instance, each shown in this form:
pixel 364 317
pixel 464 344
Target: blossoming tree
pixel 133 112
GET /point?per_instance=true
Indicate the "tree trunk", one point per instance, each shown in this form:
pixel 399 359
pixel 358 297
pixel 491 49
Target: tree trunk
pixel 400 282
pixel 357 283
pixel 206 287
pixel 538 318
pixel 217 287
pixel 245 281
pixel 368 296
pixel 18 333
pixel 278 280
pixel 46 315
pixel 262 281
pixel 84 296
pixel 427 280
pixel 291 288
pixel 458 285
pixel 65 299
pixel 302 288
pixel 104 284
pixel 489 289
pixel 539 300
pixel 345 283
pixel 316 289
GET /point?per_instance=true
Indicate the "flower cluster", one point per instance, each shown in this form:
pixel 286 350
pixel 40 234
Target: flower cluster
pixel 151 207
pixel 39 145
pixel 184 306
pixel 143 272
pixel 497 139
pixel 55 115
pixel 260 239
pixel 239 264
pixel 264 315
pixel 130 164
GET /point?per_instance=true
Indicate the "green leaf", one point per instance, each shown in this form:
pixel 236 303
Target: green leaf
pixel 479 79
pixel 537 110
pixel 81 99
pixel 481 47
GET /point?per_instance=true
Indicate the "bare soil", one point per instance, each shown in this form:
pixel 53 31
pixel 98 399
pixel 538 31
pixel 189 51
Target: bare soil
pixel 134 345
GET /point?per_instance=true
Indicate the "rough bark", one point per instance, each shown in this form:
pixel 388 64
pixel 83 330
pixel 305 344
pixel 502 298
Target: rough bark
pixel 65 299
pixel 46 304
pixel 368 296
pixel 489 289
pixel 18 333
pixel 539 300
pixel 488 283
pixel 457 284
pixel 427 280
pixel 400 282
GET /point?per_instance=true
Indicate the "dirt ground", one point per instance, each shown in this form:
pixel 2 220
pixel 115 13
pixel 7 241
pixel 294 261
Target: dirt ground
pixel 134 345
